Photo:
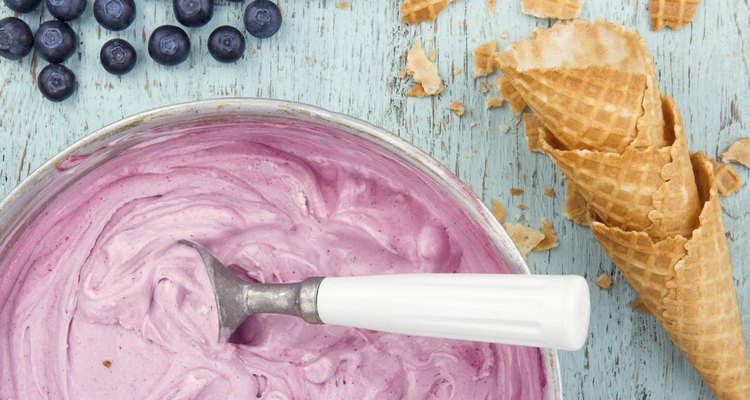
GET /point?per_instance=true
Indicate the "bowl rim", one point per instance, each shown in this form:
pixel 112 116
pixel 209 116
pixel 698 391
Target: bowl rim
pixel 260 106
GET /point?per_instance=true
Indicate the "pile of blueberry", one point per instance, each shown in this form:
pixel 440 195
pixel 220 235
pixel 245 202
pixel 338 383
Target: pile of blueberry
pixel 55 41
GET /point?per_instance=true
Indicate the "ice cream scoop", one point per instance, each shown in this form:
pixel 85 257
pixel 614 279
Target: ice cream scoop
pixel 528 310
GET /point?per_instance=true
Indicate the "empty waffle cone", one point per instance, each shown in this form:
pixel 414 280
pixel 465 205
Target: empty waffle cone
pixel 651 190
pixel 672 13
pixel 591 83
pixel 686 283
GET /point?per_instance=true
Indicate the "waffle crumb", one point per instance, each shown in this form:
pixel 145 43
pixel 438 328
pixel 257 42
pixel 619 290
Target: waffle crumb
pixel 456 70
pixel 504 35
pixel 484 87
pixel 727 179
pixel 504 128
pixel 522 206
pixel 432 55
pixel 457 107
pixel 491 7
pixel 560 9
pixel 343 5
pixel 550 192
pixel 550 238
pixel 516 191
pixel 604 281
pixel 494 102
pixel 738 152
pixel 416 11
pixel 533 131
pixel 107 363
pixel 416 91
pixel 484 59
pixel 524 237
pixel 423 70
pixel 639 305
pixel 498 210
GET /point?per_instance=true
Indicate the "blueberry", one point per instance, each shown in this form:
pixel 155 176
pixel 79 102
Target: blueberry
pixel 16 39
pixel 22 6
pixel 55 41
pixel 66 10
pixel 262 18
pixel 226 44
pixel 193 13
pixel 169 45
pixel 118 56
pixel 114 15
pixel 56 82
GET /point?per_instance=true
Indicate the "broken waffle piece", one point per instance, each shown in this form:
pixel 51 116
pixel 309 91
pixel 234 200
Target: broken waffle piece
pixel 727 180
pixel 516 191
pixel 504 128
pixel 342 5
pixel 604 281
pixel 575 207
pixel 457 107
pixel 416 91
pixel 738 152
pixel 484 59
pixel 509 93
pixel 533 131
pixel 493 102
pixel 416 11
pixel 484 87
pixel 524 237
pixel 550 192
pixel 671 13
pixel 423 70
pixel 550 239
pixel 560 9
pixel 498 210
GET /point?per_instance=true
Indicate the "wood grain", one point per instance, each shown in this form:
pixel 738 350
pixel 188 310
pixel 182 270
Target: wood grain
pixel 347 60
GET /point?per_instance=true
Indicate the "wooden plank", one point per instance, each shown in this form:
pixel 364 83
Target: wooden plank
pixel 348 61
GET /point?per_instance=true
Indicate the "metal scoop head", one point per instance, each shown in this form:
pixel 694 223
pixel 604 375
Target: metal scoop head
pixel 236 299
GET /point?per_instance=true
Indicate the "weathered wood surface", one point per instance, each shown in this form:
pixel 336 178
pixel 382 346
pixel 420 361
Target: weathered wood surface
pixel 348 61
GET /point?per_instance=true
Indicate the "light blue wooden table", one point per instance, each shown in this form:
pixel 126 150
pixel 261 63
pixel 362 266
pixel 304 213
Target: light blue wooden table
pixel 347 60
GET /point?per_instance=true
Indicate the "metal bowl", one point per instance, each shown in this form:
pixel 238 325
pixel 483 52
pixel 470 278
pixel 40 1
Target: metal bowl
pixel 26 200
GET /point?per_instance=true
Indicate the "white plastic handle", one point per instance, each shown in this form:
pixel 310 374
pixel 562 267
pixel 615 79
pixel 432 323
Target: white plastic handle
pixel 529 310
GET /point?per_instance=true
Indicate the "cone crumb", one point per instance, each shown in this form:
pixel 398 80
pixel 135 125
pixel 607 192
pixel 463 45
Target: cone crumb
pixel 738 152
pixel 343 5
pixel 604 281
pixel 504 35
pixel 550 192
pixel 671 13
pixel 504 128
pixel 107 363
pixel 416 11
pixel 493 102
pixel 401 72
pixel 522 206
pixel 416 91
pixel 484 59
pixel 727 180
pixel 516 191
pixel 491 7
pixel 484 87
pixel 533 131
pixel 498 210
pixel 423 70
pixel 524 237
pixel 457 107
pixel 550 238
pixel 560 9
pixel 456 71
pixel 432 54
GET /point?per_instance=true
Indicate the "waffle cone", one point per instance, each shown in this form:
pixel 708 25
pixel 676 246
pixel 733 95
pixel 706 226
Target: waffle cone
pixel 672 13
pixel 561 9
pixel 687 284
pixel 598 94
pixel 651 190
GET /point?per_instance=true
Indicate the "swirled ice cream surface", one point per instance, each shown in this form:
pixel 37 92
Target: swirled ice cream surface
pixel 98 301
